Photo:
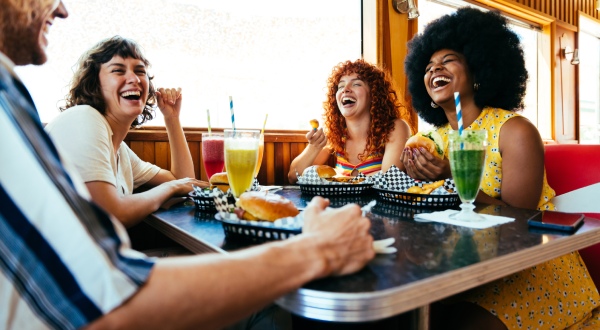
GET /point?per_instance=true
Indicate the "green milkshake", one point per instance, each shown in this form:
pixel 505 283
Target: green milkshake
pixel 467 161
pixel 467 167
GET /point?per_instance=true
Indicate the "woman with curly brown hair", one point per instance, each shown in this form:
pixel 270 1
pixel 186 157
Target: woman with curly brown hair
pixel 365 123
pixel 110 93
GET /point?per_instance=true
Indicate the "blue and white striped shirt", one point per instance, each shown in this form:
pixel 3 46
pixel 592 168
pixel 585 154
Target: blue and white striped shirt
pixel 63 261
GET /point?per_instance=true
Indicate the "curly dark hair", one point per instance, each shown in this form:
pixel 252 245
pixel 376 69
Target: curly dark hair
pixel 385 106
pixel 493 53
pixel 85 85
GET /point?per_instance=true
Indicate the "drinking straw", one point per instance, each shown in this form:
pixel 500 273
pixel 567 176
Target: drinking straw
pixel 262 132
pixel 458 112
pixel 208 117
pixel 231 110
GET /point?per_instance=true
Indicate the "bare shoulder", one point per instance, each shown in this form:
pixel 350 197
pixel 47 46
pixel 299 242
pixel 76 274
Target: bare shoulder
pixel 401 131
pixel 519 132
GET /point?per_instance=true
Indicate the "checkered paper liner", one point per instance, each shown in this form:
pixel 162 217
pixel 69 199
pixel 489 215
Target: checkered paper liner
pixel 253 231
pixel 310 177
pixel 311 184
pixel 397 180
pixel 391 187
pixel 203 197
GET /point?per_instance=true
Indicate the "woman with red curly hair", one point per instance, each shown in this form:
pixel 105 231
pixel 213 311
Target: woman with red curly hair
pixel 364 123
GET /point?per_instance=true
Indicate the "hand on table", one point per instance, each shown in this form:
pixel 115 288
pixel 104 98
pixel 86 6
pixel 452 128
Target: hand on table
pixel 342 236
pixel 181 187
pixel 422 165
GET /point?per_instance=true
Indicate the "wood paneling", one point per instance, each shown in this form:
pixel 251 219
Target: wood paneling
pixel 566 11
pixel 281 147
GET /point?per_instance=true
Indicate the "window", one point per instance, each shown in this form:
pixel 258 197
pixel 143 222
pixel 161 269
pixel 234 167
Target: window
pixel 530 40
pixel 589 81
pixel 272 57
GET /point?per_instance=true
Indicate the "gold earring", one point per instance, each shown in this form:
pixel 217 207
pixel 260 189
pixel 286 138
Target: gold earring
pixel 433 105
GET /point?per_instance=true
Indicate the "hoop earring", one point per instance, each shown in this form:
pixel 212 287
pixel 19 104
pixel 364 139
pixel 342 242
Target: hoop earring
pixel 476 87
pixel 433 105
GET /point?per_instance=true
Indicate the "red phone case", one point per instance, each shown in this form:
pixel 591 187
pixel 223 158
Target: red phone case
pixel 555 220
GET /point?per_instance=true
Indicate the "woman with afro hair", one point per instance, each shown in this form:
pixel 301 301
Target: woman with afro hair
pixel 364 123
pixel 476 54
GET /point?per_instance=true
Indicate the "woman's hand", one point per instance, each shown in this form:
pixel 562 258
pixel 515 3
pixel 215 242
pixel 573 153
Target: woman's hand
pixel 422 165
pixel 169 101
pixel 181 187
pixel 316 139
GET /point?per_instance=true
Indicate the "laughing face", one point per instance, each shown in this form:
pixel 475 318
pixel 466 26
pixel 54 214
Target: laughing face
pixel 26 42
pixel 446 73
pixel 124 85
pixel 353 97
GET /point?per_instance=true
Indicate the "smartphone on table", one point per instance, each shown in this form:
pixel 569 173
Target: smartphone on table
pixel 554 220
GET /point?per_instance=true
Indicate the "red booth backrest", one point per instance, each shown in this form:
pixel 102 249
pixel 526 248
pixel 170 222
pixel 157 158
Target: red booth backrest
pixel 572 166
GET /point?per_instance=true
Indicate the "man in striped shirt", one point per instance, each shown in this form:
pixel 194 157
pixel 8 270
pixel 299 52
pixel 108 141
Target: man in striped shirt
pixel 65 263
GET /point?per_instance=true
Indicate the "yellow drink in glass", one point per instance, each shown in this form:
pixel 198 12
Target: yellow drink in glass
pixel 241 155
pixel 261 150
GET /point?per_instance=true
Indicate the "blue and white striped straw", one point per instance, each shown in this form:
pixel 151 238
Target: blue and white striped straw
pixel 231 110
pixel 458 112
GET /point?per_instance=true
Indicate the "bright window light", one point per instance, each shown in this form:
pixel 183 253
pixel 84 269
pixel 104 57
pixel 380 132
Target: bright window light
pixel 273 57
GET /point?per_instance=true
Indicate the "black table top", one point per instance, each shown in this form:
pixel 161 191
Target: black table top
pixel 433 261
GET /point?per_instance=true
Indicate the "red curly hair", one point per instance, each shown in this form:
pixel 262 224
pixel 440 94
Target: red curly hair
pixel 385 106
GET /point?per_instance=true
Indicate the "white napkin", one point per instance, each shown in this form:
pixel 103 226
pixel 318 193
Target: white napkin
pixel 444 217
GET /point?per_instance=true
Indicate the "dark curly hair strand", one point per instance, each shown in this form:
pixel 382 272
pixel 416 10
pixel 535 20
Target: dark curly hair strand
pixel 85 85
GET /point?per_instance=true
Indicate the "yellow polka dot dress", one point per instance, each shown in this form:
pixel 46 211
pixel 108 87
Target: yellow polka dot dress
pixel 557 294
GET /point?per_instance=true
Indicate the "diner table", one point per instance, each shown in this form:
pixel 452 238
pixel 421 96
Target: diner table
pixel 433 261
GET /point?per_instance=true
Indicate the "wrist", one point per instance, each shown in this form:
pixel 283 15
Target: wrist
pixel 314 260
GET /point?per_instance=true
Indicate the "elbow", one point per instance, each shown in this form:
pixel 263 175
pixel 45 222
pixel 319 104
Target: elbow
pixel 292 178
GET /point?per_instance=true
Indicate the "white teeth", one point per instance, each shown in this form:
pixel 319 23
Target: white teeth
pixel 344 99
pixel 130 93
pixel 437 79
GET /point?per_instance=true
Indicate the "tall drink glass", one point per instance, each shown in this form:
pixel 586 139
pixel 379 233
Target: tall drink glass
pixel 467 160
pixel 213 153
pixel 241 155
pixel 261 150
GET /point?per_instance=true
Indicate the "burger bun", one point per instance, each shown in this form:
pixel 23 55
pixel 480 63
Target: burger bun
pixel 220 181
pixel 324 171
pixel 261 205
pixel 430 141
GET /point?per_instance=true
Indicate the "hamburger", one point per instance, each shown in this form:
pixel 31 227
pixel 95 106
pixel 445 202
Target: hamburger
pixel 430 141
pixel 323 171
pixel 261 205
pixel 220 181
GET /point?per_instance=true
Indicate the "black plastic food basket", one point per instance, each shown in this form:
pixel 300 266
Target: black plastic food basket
pixel 418 200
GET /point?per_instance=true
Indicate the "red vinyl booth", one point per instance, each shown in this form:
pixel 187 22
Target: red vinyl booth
pixel 570 167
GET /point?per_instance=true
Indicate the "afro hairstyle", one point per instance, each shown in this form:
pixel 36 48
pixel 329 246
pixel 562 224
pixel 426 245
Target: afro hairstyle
pixel 493 53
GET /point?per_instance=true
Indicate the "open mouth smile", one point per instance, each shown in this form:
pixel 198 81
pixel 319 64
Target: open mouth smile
pixel 131 95
pixel 440 81
pixel 348 100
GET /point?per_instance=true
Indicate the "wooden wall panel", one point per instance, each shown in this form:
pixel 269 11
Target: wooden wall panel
pixel 566 11
pixel 162 155
pixel 196 152
pixel 281 147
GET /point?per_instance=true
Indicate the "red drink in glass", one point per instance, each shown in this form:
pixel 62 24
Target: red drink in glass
pixel 213 153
